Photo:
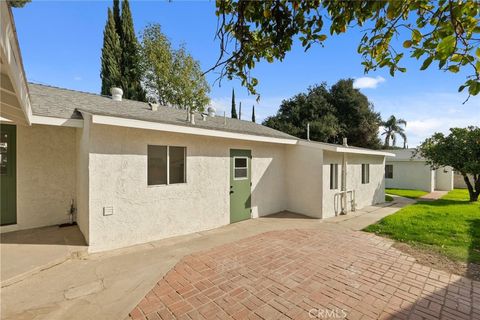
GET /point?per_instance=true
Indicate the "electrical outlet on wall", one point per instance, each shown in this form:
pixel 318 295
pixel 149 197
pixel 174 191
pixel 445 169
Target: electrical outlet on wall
pixel 107 211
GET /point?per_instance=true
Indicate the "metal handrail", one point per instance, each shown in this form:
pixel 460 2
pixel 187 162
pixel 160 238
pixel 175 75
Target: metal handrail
pixel 339 197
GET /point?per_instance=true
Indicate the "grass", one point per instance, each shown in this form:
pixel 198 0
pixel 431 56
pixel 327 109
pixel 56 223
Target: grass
pixel 388 198
pixel 407 193
pixel 450 225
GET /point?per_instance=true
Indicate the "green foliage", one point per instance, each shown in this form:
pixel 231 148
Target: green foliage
pixel 391 128
pixel 388 198
pixel 131 70
pixel 234 109
pixel 253 113
pixel 111 54
pixel 407 193
pixel 450 225
pixel 117 17
pixel 340 111
pixel 171 77
pixel 18 3
pixel 443 31
pixel 460 150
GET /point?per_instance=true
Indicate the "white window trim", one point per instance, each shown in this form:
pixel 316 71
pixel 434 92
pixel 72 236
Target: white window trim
pixel 391 165
pixel 168 166
pixel 335 180
pixel 247 167
pixel 366 174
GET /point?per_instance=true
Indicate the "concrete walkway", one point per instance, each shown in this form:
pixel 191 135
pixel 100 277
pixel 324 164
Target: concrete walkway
pixel 26 252
pixel 109 285
pixel 435 195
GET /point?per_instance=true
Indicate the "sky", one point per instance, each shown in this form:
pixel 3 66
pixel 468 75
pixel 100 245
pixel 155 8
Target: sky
pixel 61 46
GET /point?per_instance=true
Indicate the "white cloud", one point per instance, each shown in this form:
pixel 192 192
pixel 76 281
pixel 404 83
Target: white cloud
pixel 428 113
pixel 367 82
pixel 77 78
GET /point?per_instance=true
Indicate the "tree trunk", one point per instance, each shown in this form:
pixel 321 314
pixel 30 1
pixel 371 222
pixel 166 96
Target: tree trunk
pixel 387 140
pixel 473 192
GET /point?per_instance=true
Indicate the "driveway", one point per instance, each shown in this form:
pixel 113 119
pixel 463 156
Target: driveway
pixel 306 274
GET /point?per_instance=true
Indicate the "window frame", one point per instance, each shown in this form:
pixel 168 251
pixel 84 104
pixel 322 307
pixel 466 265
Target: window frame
pixel 234 167
pixel 365 173
pixel 391 171
pixel 168 165
pixel 334 179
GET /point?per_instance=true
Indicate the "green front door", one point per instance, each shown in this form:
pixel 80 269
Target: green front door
pixel 8 174
pixel 240 186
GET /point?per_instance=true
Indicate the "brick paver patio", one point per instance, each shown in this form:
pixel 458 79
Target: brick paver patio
pixel 308 274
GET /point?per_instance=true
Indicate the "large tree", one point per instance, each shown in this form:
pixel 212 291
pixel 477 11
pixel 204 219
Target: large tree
pixel 334 113
pixel 171 77
pixel 18 3
pixel 391 127
pixel 131 70
pixel 111 54
pixel 460 150
pixel 442 31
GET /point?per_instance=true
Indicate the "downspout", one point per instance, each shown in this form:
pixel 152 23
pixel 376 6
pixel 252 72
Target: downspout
pixel 344 180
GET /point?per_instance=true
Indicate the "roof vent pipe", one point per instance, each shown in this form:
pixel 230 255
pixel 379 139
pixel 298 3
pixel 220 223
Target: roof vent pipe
pixel 116 93
pixel 345 144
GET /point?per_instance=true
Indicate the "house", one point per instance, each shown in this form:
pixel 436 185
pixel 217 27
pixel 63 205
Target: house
pixel 406 171
pixel 133 172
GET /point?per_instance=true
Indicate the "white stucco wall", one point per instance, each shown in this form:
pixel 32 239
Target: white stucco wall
pixel 411 175
pixel 444 179
pixel 304 180
pixel 46 161
pixel 142 213
pixel 365 194
pixel 459 181
pixel 82 176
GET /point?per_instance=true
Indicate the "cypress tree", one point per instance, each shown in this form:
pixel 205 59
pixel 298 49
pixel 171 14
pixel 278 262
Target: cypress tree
pixel 131 71
pixel 111 53
pixel 253 113
pixel 234 109
pixel 117 17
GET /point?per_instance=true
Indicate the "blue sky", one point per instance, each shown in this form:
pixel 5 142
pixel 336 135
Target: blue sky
pixel 61 45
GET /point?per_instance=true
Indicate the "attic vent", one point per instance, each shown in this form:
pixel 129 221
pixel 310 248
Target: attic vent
pixel 116 93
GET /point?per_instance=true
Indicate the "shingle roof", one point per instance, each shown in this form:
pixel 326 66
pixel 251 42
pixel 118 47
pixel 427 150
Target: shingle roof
pixel 64 103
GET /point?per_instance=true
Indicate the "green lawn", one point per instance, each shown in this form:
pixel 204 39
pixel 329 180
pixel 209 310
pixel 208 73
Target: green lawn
pixel 388 198
pixel 450 225
pixel 407 193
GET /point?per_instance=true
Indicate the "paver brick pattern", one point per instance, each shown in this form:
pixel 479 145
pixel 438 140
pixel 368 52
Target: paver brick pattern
pixel 308 274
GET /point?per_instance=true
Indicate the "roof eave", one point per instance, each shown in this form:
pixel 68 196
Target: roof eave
pixel 343 149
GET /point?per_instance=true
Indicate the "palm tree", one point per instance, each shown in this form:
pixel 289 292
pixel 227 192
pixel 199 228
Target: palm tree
pixel 392 127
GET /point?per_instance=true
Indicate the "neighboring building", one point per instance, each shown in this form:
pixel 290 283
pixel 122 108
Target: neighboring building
pixel 459 181
pixel 134 174
pixel 407 172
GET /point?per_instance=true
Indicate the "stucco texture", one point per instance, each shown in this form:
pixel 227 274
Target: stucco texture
pixel 142 213
pixel 411 175
pixel 304 176
pixel 365 194
pixel 46 160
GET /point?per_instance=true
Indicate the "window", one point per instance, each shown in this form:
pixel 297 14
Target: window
pixel 176 165
pixel 240 168
pixel 389 171
pixel 166 165
pixel 333 176
pixel 365 173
